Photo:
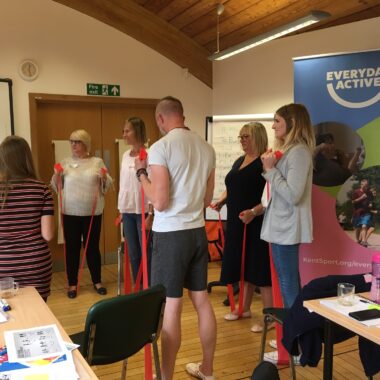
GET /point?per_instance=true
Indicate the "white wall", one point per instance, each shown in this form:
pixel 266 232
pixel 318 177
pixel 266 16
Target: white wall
pixel 261 79
pixel 72 49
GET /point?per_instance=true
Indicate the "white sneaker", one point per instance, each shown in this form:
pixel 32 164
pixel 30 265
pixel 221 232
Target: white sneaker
pixel 273 343
pixel 273 358
pixel 194 370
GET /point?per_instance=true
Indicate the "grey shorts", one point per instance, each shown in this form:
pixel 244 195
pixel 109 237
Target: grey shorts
pixel 179 260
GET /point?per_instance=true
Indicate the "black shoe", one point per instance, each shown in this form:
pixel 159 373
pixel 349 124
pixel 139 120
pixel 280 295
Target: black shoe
pixel 102 290
pixel 72 293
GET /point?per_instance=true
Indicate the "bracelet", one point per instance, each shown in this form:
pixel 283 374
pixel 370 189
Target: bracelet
pixel 254 212
pixel 140 172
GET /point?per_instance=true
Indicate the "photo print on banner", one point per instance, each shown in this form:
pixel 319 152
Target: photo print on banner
pixel 358 208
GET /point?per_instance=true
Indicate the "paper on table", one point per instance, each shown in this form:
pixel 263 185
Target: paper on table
pixel 336 306
pixel 53 368
pixel 34 343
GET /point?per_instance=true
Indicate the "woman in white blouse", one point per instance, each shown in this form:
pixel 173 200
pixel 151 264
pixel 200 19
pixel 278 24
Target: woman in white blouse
pixel 84 180
pixel 129 203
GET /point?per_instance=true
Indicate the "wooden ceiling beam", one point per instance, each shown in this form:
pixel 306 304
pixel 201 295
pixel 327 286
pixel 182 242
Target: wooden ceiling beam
pixel 156 6
pixel 126 16
pixel 358 16
pixel 203 30
pixel 175 8
pixel 204 9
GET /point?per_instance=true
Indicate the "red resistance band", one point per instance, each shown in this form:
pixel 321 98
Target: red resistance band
pixel 147 349
pixel 230 290
pixel 278 154
pixel 283 356
pixel 59 170
pixel 127 273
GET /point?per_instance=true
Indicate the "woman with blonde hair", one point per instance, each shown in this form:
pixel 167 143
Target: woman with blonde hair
pixel 84 180
pixel 26 218
pixel 287 220
pixel 244 187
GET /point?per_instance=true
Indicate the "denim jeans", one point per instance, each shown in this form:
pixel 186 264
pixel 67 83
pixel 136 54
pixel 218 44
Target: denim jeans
pixel 285 259
pixel 132 234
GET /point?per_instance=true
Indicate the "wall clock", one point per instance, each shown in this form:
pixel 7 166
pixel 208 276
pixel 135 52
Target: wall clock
pixel 28 70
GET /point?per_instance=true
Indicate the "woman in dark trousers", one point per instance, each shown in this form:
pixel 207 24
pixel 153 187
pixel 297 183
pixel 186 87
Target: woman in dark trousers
pixel 84 181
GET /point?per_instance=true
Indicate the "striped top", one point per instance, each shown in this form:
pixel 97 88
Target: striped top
pixel 24 254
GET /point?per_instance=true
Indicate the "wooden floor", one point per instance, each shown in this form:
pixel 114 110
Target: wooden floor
pixel 237 348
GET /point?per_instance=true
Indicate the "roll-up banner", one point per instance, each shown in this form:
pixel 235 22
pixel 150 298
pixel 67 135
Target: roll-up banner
pixel 342 94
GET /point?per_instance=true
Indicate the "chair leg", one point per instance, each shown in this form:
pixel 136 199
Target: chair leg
pixel 267 320
pixel 156 360
pixel 119 266
pixel 124 369
pixel 292 367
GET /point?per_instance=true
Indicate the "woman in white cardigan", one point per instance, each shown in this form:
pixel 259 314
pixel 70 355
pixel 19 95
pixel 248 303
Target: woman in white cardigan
pixel 129 201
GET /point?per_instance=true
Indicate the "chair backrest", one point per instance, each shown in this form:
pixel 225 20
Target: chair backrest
pixel 265 371
pixel 120 326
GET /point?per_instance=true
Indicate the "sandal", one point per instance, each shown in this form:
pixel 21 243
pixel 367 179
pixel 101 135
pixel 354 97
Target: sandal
pixel 194 370
pixel 235 316
pixel 256 328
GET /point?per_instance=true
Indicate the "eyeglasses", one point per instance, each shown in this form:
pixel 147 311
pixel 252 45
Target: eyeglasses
pixel 72 142
pixel 244 137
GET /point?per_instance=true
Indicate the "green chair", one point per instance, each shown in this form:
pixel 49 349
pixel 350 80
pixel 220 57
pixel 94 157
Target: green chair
pixel 116 328
pixel 275 314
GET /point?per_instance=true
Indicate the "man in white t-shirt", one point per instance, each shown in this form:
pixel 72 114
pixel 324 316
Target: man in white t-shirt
pixel 180 186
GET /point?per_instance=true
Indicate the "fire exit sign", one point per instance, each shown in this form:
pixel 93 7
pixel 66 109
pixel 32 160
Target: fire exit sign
pixel 103 89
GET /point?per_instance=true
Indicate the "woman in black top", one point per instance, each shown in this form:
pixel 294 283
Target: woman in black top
pixel 244 188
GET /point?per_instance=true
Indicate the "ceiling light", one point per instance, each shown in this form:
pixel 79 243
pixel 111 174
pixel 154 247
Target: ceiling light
pixel 219 11
pixel 303 22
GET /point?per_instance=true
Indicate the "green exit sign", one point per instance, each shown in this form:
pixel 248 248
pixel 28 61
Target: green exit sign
pixel 103 89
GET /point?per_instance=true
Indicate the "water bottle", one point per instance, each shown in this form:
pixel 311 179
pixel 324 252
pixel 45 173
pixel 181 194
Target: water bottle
pixel 375 286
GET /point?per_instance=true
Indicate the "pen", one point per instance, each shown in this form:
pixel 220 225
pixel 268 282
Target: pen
pixel 4 305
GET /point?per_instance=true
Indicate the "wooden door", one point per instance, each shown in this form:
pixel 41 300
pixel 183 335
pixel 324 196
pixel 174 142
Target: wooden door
pixel 54 117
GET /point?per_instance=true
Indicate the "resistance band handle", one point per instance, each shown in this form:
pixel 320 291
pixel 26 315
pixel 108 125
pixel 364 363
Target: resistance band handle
pixel 278 154
pixel 118 220
pixel 143 154
pixel 58 167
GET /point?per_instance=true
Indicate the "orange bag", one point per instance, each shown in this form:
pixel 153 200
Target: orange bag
pixel 214 237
